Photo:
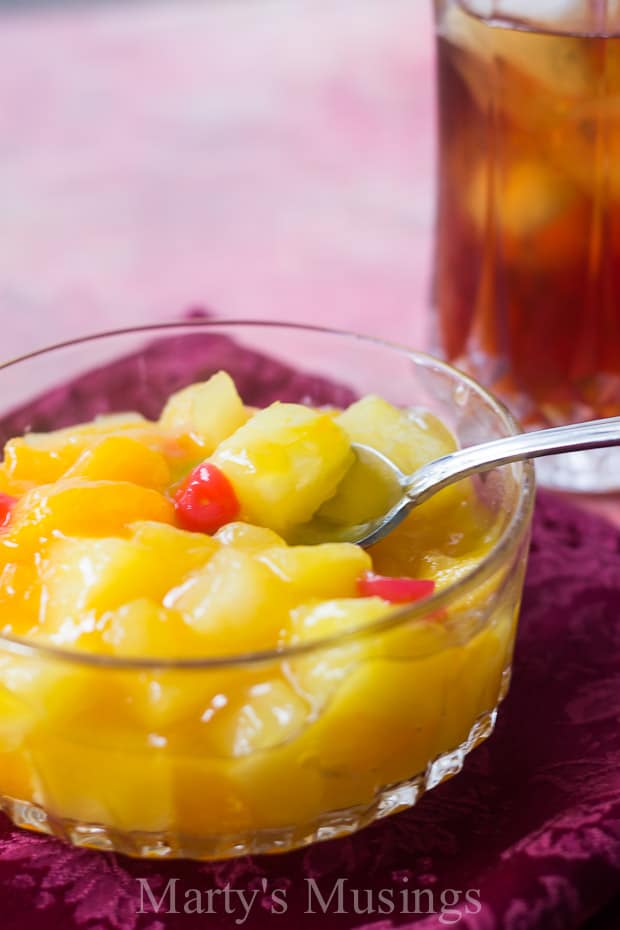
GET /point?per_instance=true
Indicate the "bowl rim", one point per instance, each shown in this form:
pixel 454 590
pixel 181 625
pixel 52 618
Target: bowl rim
pixel 510 538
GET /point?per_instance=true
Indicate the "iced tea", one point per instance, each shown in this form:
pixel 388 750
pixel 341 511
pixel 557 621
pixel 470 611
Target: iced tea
pixel 527 282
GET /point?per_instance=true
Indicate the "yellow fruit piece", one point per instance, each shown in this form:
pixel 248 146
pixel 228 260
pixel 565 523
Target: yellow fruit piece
pixel 247 537
pixel 80 576
pixel 325 571
pixel 404 639
pixel 235 602
pixel 12 486
pixel 381 723
pixel 476 678
pixel 318 674
pixel 91 783
pixel 121 458
pixel 170 538
pixel 209 797
pixel 447 570
pixel 70 441
pixel 20 594
pixel 50 691
pixel 175 552
pixel 209 412
pixel 46 457
pixel 114 708
pixel 144 629
pixel 281 788
pixel 78 507
pixel 179 703
pixel 172 702
pixel 414 639
pixel 16 720
pixel 267 714
pixel 19 779
pixel 409 438
pixel 106 424
pixel 6 482
pixel 319 620
pixel 284 463
pixel 24 461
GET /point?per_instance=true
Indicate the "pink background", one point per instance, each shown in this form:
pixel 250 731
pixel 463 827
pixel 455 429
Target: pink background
pixel 271 158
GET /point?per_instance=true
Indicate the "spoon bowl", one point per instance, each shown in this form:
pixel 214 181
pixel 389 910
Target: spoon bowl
pixel 404 492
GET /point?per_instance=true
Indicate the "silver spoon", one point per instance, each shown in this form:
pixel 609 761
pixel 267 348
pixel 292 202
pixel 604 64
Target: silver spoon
pixel 407 491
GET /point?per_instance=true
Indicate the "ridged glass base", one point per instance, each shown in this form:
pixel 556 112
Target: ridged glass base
pixel 171 845
pixel 596 471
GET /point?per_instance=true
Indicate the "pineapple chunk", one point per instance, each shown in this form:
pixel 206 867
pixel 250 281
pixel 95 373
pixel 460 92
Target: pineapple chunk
pixel 317 675
pixel 209 795
pixel 407 437
pixel 266 715
pixel 382 721
pixel 46 457
pixel 143 628
pixel 55 691
pixel 70 441
pixel 24 461
pixel 6 483
pixel 78 507
pixel 235 602
pixel 328 570
pixel 247 537
pixel 122 458
pixel 320 620
pixel 94 783
pixel 209 412
pixel 176 551
pixel 284 463
pixel 364 687
pixel 104 425
pixel 113 422
pixel 85 575
pixel 19 594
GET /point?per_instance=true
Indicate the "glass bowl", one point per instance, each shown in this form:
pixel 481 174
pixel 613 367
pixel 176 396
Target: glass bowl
pixel 126 755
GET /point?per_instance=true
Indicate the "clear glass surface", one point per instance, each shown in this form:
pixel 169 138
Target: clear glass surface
pixel 527 275
pixel 132 754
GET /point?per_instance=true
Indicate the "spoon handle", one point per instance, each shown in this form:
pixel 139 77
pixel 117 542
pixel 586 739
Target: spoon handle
pixel 595 434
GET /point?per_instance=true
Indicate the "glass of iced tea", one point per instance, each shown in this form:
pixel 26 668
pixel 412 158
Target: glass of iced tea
pixel 527 274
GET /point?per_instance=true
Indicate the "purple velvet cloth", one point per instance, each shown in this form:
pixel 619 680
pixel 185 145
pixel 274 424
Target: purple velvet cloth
pixel 526 838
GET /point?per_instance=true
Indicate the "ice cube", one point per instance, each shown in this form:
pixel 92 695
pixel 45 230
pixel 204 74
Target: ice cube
pixel 529 196
pixel 514 65
pixel 481 8
pixel 557 16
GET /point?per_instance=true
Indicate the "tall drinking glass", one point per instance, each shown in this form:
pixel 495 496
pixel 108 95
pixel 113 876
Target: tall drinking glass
pixel 527 276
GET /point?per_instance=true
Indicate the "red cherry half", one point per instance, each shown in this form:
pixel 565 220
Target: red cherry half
pixel 394 590
pixel 6 508
pixel 206 500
